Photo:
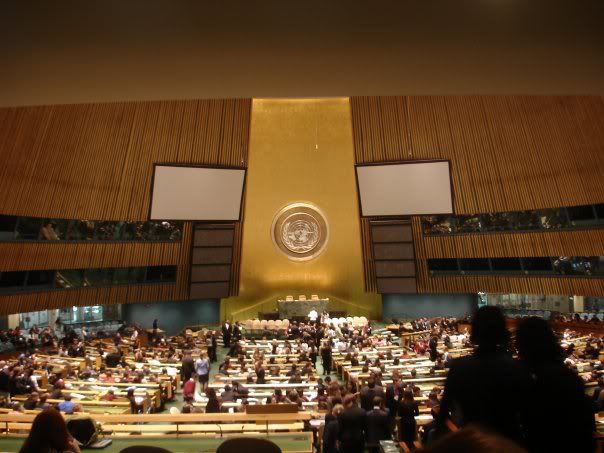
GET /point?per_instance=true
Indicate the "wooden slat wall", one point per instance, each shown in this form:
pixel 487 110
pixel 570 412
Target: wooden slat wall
pixel 368 262
pixel 94 161
pixel 507 153
pixel 90 296
pixel 58 255
pixel 552 243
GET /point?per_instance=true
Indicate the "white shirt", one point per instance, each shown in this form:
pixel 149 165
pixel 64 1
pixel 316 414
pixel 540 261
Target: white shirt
pixel 313 315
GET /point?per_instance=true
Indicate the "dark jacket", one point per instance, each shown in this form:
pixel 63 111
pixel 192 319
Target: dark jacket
pixel 351 430
pixel 489 388
pixel 368 394
pixel 392 399
pixel 188 367
pixel 558 416
pixel 330 434
pixel 378 427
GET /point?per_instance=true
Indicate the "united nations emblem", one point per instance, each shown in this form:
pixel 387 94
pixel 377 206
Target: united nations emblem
pixel 300 231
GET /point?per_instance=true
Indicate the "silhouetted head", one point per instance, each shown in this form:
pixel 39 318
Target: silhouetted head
pixel 488 329
pixel 474 439
pixel 536 342
pixel 48 433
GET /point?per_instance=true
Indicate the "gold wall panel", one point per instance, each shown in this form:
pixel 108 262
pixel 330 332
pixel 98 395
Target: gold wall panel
pixel 301 151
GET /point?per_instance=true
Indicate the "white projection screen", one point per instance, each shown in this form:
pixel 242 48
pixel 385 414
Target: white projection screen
pixel 196 193
pixel 403 189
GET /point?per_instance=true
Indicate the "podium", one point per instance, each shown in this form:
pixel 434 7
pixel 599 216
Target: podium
pixel 290 309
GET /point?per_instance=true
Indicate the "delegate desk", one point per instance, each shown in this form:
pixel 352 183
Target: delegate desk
pixel 179 433
pixel 288 443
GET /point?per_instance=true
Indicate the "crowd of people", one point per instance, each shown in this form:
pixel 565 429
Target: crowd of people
pixel 528 388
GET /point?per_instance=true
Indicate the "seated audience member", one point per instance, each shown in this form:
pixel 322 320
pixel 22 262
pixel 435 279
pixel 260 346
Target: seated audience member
pixel 239 390
pixel 67 405
pixel 189 388
pixel 48 434
pixel 31 402
pixel 189 407
pixel 489 387
pixel 135 406
pixel 42 404
pixel 378 425
pixel 559 416
pixel 330 433
pixel 109 396
pixel 228 395
pixel 213 406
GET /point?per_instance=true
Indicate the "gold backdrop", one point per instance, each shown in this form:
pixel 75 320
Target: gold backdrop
pixel 301 151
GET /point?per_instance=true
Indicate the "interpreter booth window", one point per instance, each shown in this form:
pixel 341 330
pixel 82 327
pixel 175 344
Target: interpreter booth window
pixel 33 318
pixel 549 219
pixel 14 228
pixel 81 314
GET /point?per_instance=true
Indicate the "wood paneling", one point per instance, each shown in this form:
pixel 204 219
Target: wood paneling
pixel 551 243
pixel 95 161
pixel 65 255
pixel 368 260
pixel 507 154
pixel 513 285
pixel 25 302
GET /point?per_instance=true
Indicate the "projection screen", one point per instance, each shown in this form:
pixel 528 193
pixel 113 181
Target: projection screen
pixel 196 193
pixel 402 189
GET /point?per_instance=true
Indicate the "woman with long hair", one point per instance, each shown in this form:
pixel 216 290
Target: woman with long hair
pixel 213 406
pixel 489 387
pixel 558 416
pixel 407 411
pixel 48 434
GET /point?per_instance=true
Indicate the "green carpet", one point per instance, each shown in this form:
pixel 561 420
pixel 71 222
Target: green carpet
pixel 287 443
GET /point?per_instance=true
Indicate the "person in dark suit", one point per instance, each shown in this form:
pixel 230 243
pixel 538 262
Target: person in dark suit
pixel 187 366
pixel 432 346
pixel 393 392
pixel 489 387
pixel 236 335
pixel 351 430
pixel 378 425
pixel 227 329
pixel 369 392
pixel 326 358
pixel 330 432
pixel 407 411
pixel 558 416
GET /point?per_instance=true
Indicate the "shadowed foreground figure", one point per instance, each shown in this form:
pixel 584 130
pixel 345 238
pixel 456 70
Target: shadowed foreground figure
pixel 472 439
pixel 48 434
pixel 489 387
pixel 559 416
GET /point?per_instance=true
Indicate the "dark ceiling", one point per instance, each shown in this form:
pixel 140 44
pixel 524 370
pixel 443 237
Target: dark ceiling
pixel 86 51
